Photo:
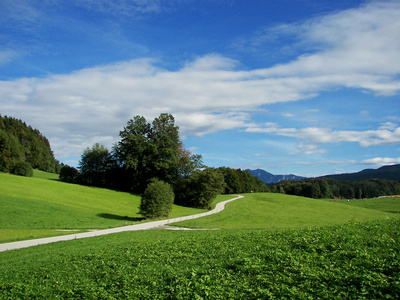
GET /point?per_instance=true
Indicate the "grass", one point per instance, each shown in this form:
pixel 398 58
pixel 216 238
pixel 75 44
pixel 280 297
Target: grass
pixel 45 175
pixel 33 207
pixel 389 204
pixel 270 210
pixel 322 250
pixel 351 261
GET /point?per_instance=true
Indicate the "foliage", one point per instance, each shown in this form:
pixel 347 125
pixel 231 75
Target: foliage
pixel 330 188
pixel 157 200
pixel 200 189
pixel 69 174
pixel 149 151
pixel 22 143
pixel 23 168
pixel 336 262
pixel 94 164
pixel 145 151
pixel 241 181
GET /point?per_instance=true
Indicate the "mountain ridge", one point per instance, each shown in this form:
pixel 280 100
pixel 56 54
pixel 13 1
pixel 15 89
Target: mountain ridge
pixel 269 178
pixel 388 172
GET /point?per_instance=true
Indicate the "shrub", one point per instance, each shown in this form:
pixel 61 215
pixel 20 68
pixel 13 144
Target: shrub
pixel 69 174
pixel 23 168
pixel 157 200
pixel 200 189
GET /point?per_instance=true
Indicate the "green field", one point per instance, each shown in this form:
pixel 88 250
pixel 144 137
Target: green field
pixel 269 210
pixel 389 204
pixel 43 206
pixel 270 246
pixel 351 261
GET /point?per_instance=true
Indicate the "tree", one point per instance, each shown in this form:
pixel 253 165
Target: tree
pixel 200 189
pixel 157 200
pixel 23 168
pixel 94 165
pixel 154 150
pixel 22 143
pixel 242 181
pixel 69 174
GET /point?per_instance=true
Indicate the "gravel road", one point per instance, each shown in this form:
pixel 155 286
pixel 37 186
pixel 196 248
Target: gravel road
pixel 143 226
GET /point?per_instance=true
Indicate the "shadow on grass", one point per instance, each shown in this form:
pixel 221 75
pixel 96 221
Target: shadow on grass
pixel 117 217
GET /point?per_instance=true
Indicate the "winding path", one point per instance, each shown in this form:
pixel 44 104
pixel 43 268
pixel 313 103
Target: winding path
pixel 143 226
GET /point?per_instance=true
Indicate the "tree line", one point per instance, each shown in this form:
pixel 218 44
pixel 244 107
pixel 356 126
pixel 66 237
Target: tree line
pixel 329 188
pixel 23 148
pixel 152 153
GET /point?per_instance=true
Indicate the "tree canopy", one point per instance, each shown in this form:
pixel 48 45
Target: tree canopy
pixel 330 188
pixel 94 164
pixel 21 143
pixel 152 152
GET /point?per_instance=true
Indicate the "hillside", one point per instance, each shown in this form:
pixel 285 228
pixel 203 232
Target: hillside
pixel 39 206
pixel 19 142
pixel 269 178
pixel 386 172
pixel 272 210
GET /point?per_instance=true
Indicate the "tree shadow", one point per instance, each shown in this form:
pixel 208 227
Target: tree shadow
pixel 117 217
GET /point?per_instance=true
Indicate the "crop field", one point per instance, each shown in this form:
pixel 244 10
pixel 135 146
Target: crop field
pixel 43 206
pixel 351 261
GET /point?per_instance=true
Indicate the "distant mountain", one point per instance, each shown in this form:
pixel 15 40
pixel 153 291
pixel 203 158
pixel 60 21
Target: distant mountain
pixel 269 178
pixel 385 172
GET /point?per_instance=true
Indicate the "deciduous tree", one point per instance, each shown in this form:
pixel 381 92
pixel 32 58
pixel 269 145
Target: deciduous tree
pixel 94 165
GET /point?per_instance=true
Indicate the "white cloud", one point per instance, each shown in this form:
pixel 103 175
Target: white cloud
pixel 317 136
pixel 288 115
pixel 381 161
pixel 388 126
pixel 308 149
pixel 357 48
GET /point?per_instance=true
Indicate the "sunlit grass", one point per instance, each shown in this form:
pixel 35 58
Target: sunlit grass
pixel 388 204
pixel 32 205
pixel 270 210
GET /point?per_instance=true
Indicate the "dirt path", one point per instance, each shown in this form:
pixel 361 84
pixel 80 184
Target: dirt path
pixel 144 226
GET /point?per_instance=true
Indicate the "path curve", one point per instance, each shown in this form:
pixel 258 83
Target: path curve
pixel 144 226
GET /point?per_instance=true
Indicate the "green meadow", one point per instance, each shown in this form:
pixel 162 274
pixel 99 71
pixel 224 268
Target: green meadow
pixel 269 246
pixel 270 210
pixel 350 261
pixel 387 204
pixel 40 206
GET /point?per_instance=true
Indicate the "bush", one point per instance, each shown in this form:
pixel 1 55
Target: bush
pixel 23 168
pixel 200 189
pixel 69 174
pixel 157 200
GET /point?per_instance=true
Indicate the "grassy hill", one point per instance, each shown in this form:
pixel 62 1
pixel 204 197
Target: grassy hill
pixel 271 210
pixel 43 206
pixel 39 206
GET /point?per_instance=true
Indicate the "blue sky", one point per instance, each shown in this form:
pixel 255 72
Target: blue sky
pixel 288 86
